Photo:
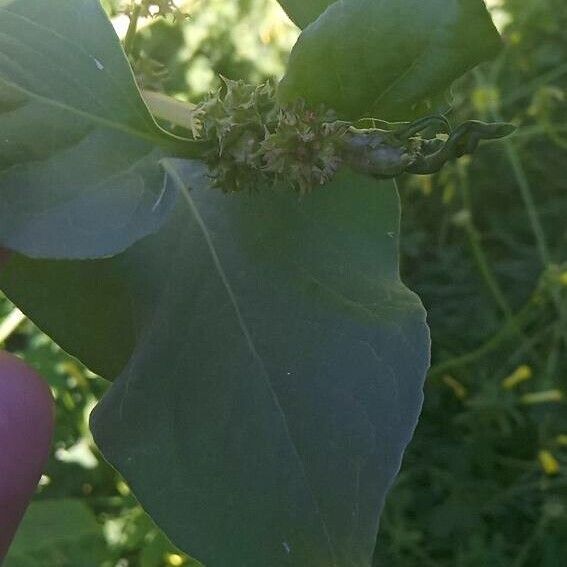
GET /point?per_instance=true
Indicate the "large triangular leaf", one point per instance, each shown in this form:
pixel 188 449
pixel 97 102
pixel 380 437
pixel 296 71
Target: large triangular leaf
pixel 79 151
pixel 284 361
pixel 389 58
pixel 276 375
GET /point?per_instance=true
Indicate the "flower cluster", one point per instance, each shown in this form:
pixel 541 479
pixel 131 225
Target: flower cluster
pixel 258 143
pixel 255 142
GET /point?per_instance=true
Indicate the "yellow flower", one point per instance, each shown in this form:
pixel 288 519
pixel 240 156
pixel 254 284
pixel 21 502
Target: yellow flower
pixel 548 462
pixel 486 98
pixel 458 389
pixel 542 397
pixel 122 488
pixel 174 559
pixel 521 374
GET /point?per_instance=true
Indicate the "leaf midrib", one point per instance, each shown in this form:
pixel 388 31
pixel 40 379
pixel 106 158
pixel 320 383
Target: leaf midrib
pixel 92 117
pixel 250 342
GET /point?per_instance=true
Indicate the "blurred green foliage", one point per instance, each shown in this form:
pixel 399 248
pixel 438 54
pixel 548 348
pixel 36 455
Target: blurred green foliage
pixel 485 245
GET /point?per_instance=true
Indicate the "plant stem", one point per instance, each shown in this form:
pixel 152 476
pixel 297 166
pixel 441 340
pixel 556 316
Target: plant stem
pixel 527 197
pixel 540 130
pixel 132 28
pixel 478 252
pixel 535 222
pixel 537 229
pixel 533 85
pixel 177 112
pixel 511 327
pixel 526 548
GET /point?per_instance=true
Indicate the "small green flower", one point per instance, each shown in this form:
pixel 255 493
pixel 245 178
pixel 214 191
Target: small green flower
pixel 259 143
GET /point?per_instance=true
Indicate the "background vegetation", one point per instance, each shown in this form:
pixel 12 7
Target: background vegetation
pixel 484 244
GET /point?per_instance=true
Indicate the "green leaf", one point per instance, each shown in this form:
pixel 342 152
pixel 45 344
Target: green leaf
pixel 390 59
pixel 79 151
pixel 57 533
pixel 277 371
pixel 83 306
pixel 302 12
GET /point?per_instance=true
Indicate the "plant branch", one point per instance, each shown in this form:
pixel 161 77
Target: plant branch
pixel 132 28
pixel 511 327
pixel 478 252
pixel 535 222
